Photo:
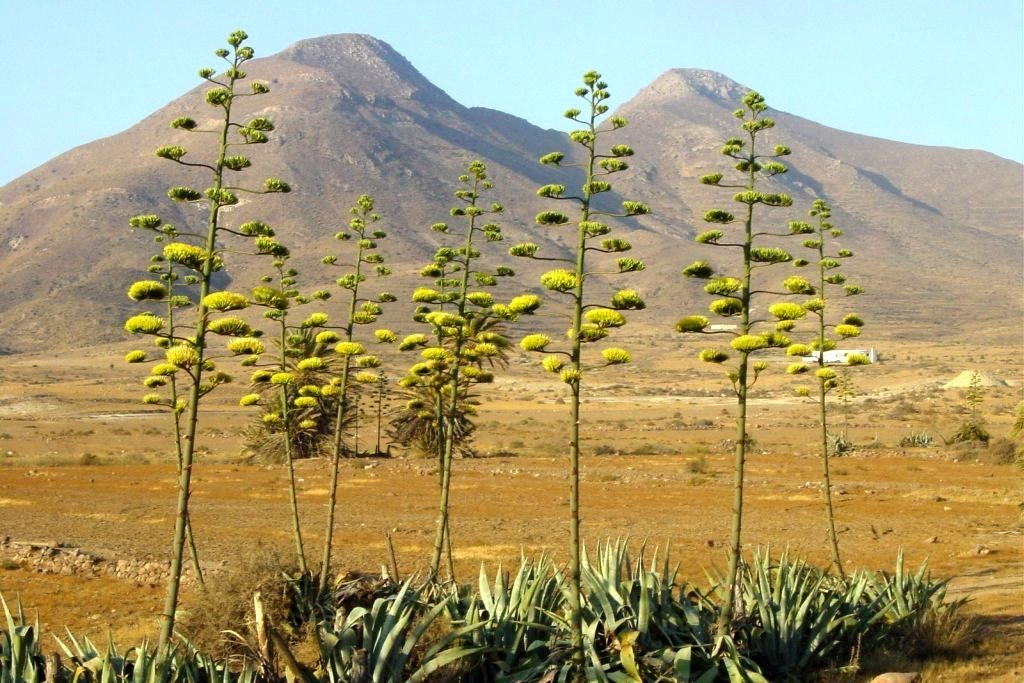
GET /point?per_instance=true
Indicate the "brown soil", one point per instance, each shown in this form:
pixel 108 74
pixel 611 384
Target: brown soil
pixel 85 467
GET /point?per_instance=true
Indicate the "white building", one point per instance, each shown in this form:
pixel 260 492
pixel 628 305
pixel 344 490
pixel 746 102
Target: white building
pixel 838 356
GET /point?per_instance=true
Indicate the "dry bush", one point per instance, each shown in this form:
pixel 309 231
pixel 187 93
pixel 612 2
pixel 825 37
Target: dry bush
pixel 1000 451
pixel 943 635
pixel 698 465
pixel 226 605
pixel 87 459
pixel 965 451
pixel 902 411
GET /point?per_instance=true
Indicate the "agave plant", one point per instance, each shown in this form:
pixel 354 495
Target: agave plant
pixel 376 644
pixel 20 657
pixel 917 440
pixel 799 618
pixel 164 664
pixel 510 624
pixel 909 600
pixel 646 627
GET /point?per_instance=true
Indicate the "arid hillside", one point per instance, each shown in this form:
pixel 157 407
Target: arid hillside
pixel 936 232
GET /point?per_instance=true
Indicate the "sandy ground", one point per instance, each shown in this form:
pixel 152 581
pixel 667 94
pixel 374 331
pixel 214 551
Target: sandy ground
pixel 82 464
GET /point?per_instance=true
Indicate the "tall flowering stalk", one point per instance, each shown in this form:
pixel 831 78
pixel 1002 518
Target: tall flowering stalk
pixel 360 310
pixel 820 235
pixel 200 254
pixel 163 291
pixel 739 294
pixel 293 408
pixel 589 322
pixel 456 348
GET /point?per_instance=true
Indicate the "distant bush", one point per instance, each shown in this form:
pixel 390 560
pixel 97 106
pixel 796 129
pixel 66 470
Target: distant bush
pixel 500 452
pixel 970 431
pixel 86 459
pixel 903 410
pixel 698 465
pixel 1001 451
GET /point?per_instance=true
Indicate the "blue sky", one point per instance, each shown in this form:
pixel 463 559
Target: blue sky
pixel 934 72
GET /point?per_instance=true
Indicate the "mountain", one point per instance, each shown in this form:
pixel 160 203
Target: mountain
pixel 937 232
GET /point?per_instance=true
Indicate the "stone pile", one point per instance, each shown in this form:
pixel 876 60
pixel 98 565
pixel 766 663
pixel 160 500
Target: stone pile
pixel 51 557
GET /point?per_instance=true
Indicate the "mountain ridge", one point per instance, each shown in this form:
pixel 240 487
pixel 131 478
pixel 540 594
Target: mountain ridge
pixel 354 116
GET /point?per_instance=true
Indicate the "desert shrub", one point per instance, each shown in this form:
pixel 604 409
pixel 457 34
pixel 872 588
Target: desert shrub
pixel 970 431
pixel 942 634
pixel 1017 430
pixel 604 449
pixel 1001 451
pixel 653 449
pixel 87 459
pixel 227 604
pixel 903 410
pixel 499 452
pixel 698 465
pixel 265 445
pixel 967 450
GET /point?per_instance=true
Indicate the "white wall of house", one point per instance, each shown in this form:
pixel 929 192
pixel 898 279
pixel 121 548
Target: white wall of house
pixel 839 355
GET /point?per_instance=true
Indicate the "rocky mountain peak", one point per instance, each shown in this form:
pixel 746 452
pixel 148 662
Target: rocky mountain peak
pixel 364 62
pixel 676 83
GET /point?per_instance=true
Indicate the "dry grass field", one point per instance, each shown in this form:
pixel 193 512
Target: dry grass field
pixel 83 464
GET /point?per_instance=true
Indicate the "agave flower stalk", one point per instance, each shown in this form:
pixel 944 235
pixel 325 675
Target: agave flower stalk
pixel 737 293
pixel 828 261
pixel 360 311
pixel 201 254
pixel 279 301
pixel 163 291
pixel 455 359
pixel 588 322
